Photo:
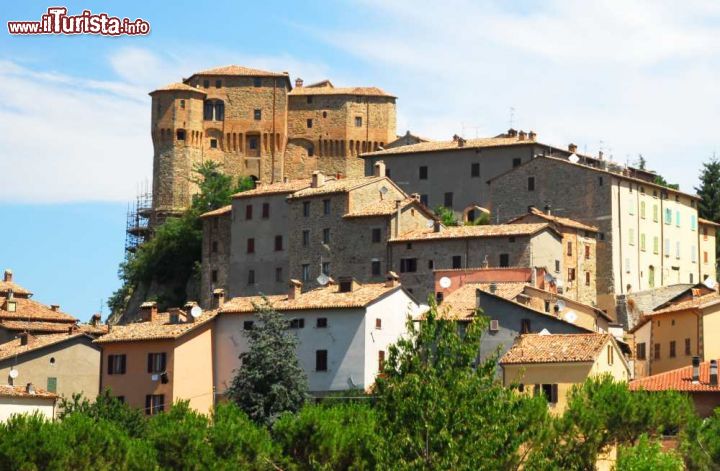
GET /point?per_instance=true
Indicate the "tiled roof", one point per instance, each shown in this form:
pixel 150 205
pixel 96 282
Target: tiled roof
pixel 320 298
pixel 567 222
pixel 240 71
pixel 329 90
pixel 30 310
pixel 533 292
pixel 555 348
pixel 19 391
pixel 461 303
pixel 436 146
pixel 178 87
pixel 14 347
pixel 699 302
pixel 160 329
pixel 44 327
pixel 342 185
pixel 462 232
pixel 677 380
pixel 273 189
pixel 217 212
pixel 379 208
pixel 16 288
pixel 708 222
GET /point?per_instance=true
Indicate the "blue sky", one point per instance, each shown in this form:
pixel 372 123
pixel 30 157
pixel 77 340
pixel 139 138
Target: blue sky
pixel 625 77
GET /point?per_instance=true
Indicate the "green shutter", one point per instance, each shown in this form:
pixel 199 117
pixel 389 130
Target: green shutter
pixel 52 385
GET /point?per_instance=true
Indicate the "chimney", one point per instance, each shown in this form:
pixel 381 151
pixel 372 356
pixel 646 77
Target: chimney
pixel 95 320
pixel 8 275
pixel 532 135
pixel 218 298
pixel 286 179
pixel 379 169
pixel 572 147
pixel 521 136
pixel 148 311
pixel 695 370
pixel 713 373
pixel 347 284
pixel 318 179
pixel 298 82
pixel 415 196
pixel 456 138
pixel 295 289
pixel 511 132
pixel 392 280
pixel 493 288
pixel 461 142
pixel 600 155
pixel 548 209
pixel 54 307
pixel 437 226
pixel 187 308
pixel 29 388
pixel 25 338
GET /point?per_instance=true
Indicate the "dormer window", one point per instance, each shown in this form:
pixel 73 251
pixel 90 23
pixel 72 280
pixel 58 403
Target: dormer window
pixel 11 306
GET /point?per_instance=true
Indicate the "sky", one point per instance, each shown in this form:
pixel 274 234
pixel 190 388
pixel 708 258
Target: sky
pixel 626 77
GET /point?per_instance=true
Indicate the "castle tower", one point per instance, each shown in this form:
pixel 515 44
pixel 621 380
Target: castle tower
pixel 329 127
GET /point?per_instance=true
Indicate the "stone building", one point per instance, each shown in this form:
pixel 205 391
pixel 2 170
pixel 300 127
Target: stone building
pixel 254 124
pixel 648 233
pixel 215 253
pixel 579 247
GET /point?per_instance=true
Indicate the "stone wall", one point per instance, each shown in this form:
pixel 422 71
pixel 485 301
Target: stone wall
pixel 215 262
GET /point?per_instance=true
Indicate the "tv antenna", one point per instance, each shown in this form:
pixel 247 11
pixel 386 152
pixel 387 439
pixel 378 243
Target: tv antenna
pixel 512 117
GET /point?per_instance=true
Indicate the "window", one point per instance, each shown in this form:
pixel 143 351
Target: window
pixel 688 349
pixel 642 242
pixel 424 200
pixel 524 326
pixel 378 324
pixel 504 260
pixel 655 213
pixel 120 399
pixel 326 236
pixel 154 403
pixel 457 261
pixel 431 265
pixel 278 274
pixel 321 360
pixel 571 274
pixel 305 272
pixel 278 243
pixel 511 239
pixel 218 83
pixel 156 362
pixel 214 246
pixel 631 207
pixel 387 172
pixel 180 134
pixel 375 268
pixel 672 349
pixel 326 268
pixel 549 391
pixel 309 99
pixel 326 207
pixel 206 83
pixel 251 277
pixel 516 162
pixel 213 143
pixel 587 278
pixel 557 266
pixel 600 181
pixel 182 104
pixel 642 209
pixel 408 265
pixel 569 249
pixel 306 208
pixel 311 151
pixel 381 360
pixel 531 184
pixel 668 216
pixel 631 236
pixel 309 123
pixel 677 249
pixel 677 218
pixel 257 82
pixel 214 110
pixel 474 169
pixel 253 143
pixel 448 200
pixel 305 238
pixel 693 222
pixel 423 172
pixel 248 211
pixel 321 322
pixel 251 245
pixel 587 252
pixel 116 364
pixel 640 354
pixel 693 254
pixel 656 245
pixel 297 323
pixel 248 325
pixel 656 355
pixel 705 257
pixel 213 276
pixel 265 210
pixel 610 355
pixel 376 235
pixel 257 115
pixel 358 121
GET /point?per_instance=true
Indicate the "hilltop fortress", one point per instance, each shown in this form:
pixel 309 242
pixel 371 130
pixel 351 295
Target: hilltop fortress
pixel 256 124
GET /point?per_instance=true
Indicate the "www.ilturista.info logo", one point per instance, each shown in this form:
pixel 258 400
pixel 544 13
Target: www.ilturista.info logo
pixel 57 21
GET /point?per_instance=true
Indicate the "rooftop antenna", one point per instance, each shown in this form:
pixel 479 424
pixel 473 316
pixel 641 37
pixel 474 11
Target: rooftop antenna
pixel 512 117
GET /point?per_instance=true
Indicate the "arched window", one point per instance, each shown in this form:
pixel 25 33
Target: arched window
pixel 214 110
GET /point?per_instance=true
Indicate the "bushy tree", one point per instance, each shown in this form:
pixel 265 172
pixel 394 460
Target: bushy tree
pixel 269 380
pixel 447 216
pixel 179 437
pixel 106 407
pixel 700 443
pixel 647 455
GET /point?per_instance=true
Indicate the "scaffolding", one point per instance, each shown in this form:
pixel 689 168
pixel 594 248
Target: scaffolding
pixel 138 228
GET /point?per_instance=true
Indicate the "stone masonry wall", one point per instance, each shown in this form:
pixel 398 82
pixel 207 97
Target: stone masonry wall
pixel 215 262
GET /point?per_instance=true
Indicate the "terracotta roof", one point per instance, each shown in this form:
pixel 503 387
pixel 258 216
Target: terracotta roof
pixel 178 87
pixel 342 185
pixel 16 288
pixel 708 222
pixel 217 212
pixel 30 310
pixel 330 90
pixel 319 298
pixel 240 71
pixel 568 301
pixel 555 348
pixel 437 146
pixel 263 189
pixel 387 208
pixel 19 391
pixel 160 329
pixel 561 221
pixel 36 342
pixel 699 302
pixel 42 326
pixel 462 302
pixel 677 380
pixel 462 232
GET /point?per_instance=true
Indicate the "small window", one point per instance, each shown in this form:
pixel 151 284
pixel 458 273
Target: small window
pixel 600 181
pixel 214 276
pixel 511 239
pixel 457 261
pixel 213 143
pixel 321 360
pixel 265 210
pixel 306 208
pixel 378 323
pixel 549 391
pixel 116 364
pixel 358 121
pixel 423 172
pixel 688 349
pixel 569 249
pixel 156 362
pixel 180 134
pixel 321 322
pixel 214 246
pixel 431 265
pixel 278 274
pixel 571 274
pixel 326 236
pixel 408 246
pixel 251 277
pixel 657 351
pixel 248 212
pixel 309 99
pixel 504 260
pixel 375 268
pixel 448 200
pixel 524 326
pixel 257 82
pixel 309 123
pixel 182 104
pixel 324 114
pixel 381 360
pixel 424 200
pixel 251 245
pixel 641 353
pixel 248 325
pixel 610 355
pixel 326 268
pixel 387 172
pixel 408 265
pixel 587 252
pixel 206 83
pixel 305 238
pixel 587 278
pixel 297 323
pixel 305 272
pixel 474 169
pixel 253 143
pixel 531 184
pixel 517 162
pixel 672 349
pixel 257 115
pixel 557 266
pixel 376 235
pixel 278 243
pixel 154 404
pixel 218 83
pixel 326 207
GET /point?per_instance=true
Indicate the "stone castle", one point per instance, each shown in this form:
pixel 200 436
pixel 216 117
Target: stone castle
pixel 255 124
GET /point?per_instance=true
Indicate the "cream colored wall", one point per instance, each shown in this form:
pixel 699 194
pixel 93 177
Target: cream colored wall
pixel 618 369
pixel 193 369
pixel 565 375
pixel 546 247
pixel 675 326
pixel 24 405
pixel 711 334
pixel 76 367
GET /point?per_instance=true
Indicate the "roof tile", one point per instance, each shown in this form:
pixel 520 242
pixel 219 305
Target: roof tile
pixel 555 348
pixel 677 380
pixel 460 232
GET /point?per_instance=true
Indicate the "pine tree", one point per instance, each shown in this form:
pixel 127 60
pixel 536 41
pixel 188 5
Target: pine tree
pixel 269 380
pixel 709 192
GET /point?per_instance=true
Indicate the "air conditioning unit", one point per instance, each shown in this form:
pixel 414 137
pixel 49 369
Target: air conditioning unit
pixel 494 325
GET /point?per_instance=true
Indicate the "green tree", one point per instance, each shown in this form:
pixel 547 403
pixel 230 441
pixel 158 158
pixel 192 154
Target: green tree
pixel 660 180
pixel 447 216
pixel 105 407
pixel 647 456
pixel 700 443
pixel 269 380
pixel 179 437
pixel 709 193
pixel 641 162
pixel 439 407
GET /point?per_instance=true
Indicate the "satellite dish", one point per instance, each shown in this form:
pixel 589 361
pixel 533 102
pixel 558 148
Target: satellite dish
pixel 574 158
pixel 445 282
pixel 571 317
pixel 196 311
pixel 558 282
pixel 383 189
pixel 560 304
pixel 544 332
pixel 323 279
pixel 710 282
pixel 13 373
